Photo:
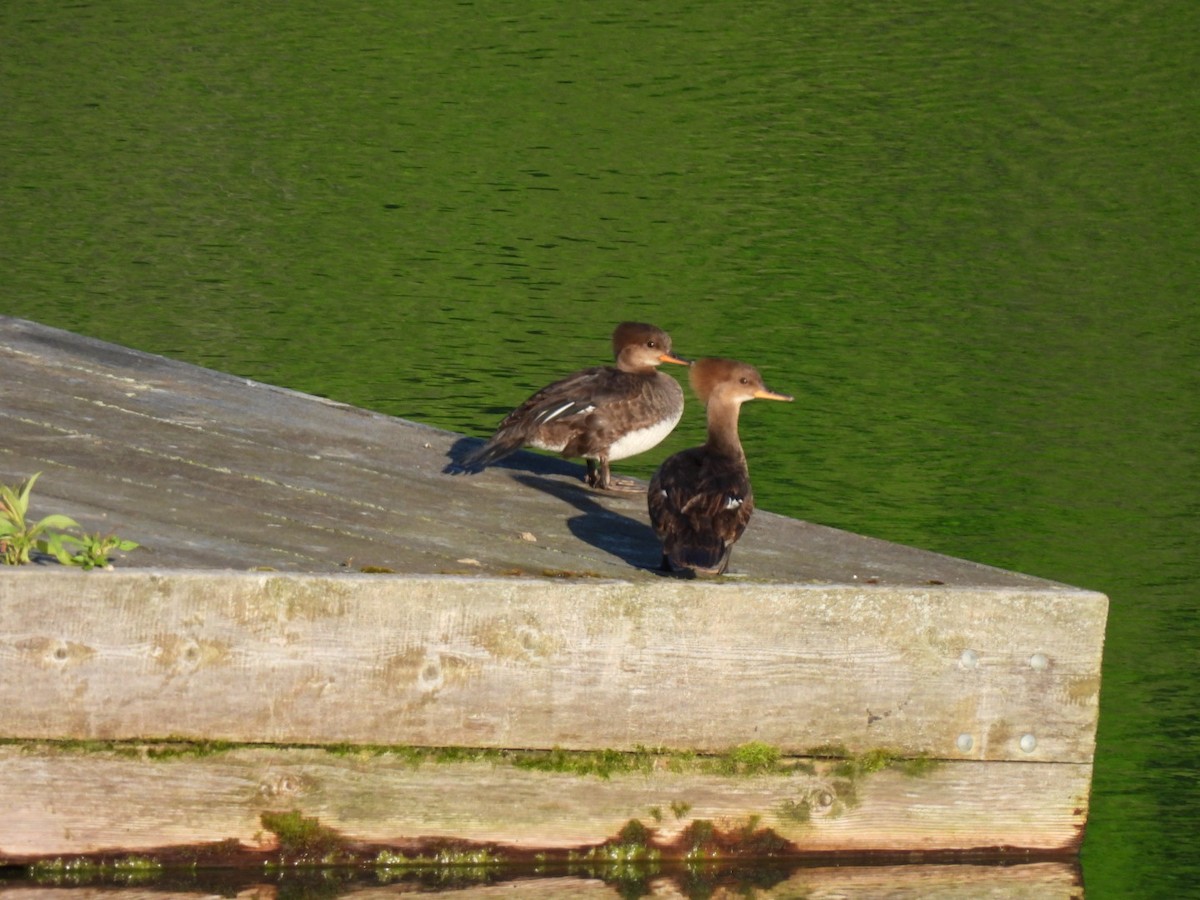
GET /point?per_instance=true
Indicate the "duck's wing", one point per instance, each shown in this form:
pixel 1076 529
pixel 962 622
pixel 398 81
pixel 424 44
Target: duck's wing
pixel 584 415
pixel 699 507
pixel 570 397
pixel 558 407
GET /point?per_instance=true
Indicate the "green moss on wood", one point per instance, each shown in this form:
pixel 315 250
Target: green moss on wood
pixel 302 838
pixel 855 767
pixel 600 763
pixel 751 760
pixel 85 870
pixel 472 857
pixel 633 834
pixel 704 840
pixel 188 749
pixel 755 758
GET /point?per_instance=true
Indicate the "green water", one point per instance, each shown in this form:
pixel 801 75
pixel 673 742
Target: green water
pixel 963 234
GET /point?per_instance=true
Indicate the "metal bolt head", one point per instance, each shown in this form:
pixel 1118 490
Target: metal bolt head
pixel 1028 743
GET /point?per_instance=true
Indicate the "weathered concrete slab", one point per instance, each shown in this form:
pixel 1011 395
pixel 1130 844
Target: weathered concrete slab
pixel 207 470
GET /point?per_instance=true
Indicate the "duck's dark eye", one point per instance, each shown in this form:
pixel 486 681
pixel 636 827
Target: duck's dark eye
pixel 649 343
pixel 745 381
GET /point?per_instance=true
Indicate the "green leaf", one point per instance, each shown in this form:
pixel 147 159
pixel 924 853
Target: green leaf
pixel 11 505
pixel 87 563
pixel 26 488
pixel 53 547
pixel 57 520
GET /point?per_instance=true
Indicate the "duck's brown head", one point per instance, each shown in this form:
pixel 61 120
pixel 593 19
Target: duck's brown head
pixel 638 346
pixel 730 381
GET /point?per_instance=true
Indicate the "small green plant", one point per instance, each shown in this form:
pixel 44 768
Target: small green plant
pixel 92 550
pixel 19 538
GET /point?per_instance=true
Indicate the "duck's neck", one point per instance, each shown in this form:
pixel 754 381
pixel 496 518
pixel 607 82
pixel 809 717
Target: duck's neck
pixel 634 369
pixel 723 428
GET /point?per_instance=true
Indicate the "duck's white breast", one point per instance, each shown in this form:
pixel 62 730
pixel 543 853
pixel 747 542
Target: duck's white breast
pixel 642 439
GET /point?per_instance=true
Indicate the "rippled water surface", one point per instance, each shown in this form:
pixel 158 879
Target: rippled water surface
pixel 964 235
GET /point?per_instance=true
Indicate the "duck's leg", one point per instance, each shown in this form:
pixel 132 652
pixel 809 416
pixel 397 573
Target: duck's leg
pixel 593 475
pixel 604 481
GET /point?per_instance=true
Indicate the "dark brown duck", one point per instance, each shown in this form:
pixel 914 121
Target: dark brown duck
pixel 700 499
pixel 600 414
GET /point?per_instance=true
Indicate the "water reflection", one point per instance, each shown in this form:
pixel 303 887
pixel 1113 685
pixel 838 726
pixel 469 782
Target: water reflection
pixel 693 881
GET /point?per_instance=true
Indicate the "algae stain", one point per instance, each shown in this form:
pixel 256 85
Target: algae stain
pixel 425 671
pixel 1084 690
pixel 178 653
pixel 999 733
pixel 796 811
pixel 520 639
pixel 311 601
pixel 281 600
pixel 836 793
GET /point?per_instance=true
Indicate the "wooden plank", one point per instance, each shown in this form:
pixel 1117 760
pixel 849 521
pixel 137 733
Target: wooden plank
pixel 953 673
pixel 1044 881
pixel 62 801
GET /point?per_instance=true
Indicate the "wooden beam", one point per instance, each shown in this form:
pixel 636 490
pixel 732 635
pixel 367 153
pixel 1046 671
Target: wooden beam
pixel 951 673
pixel 72 800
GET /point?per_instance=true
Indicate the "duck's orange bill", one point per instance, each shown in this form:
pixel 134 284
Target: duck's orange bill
pixel 766 394
pixel 672 358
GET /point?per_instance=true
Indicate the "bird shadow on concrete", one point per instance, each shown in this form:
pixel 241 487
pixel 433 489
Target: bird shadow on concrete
pixel 631 541
pixel 522 460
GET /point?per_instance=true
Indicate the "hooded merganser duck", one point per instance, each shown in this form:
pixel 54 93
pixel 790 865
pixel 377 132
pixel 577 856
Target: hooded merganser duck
pixel 700 498
pixel 603 413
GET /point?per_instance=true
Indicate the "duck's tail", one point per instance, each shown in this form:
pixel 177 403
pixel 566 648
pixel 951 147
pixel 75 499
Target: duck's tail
pixel 709 558
pixel 501 445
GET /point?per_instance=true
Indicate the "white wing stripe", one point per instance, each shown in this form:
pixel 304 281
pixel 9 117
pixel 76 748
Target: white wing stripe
pixel 546 417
